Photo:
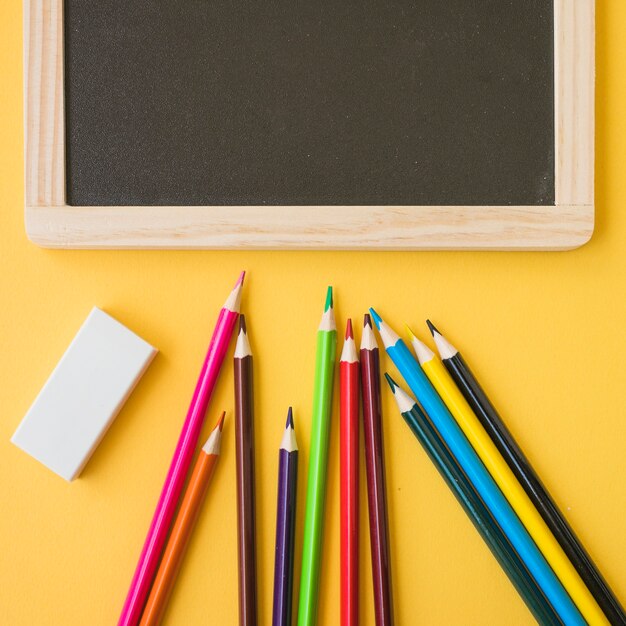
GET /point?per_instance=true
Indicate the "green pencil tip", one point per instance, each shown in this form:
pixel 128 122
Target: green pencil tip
pixel 377 318
pixel 329 299
pixel 392 383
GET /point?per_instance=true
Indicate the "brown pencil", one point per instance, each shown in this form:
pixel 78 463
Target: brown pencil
pixel 244 446
pixel 375 469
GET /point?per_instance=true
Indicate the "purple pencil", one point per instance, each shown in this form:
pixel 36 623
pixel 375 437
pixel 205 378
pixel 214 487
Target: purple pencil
pixel 285 525
pixel 375 469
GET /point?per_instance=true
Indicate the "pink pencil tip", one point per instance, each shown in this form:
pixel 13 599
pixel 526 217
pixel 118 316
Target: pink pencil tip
pixel 240 279
pixel 220 423
pixel 349 333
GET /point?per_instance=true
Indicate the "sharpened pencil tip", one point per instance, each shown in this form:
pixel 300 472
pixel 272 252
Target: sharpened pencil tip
pixel 349 332
pixel 329 299
pixel 289 423
pixel 432 328
pixel 242 323
pixel 411 333
pixel 240 279
pixel 367 320
pixel 220 423
pixel 392 383
pixel 377 318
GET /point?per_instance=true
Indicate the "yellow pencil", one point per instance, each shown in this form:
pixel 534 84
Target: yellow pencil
pixel 506 480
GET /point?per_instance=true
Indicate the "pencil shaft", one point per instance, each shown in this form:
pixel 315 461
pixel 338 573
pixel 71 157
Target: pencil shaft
pixel 179 468
pixel 376 487
pixel 480 516
pixel 285 536
pixel 316 481
pixel 244 452
pixel 179 539
pixel 513 491
pixel 349 491
pixel 534 487
pixel 483 482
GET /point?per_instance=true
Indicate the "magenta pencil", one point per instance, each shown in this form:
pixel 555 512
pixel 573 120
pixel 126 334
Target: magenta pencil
pixel 179 467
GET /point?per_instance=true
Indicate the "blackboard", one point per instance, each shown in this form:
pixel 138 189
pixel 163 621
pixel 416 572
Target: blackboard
pixel 239 106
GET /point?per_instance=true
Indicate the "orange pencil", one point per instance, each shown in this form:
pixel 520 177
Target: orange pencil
pixel 183 527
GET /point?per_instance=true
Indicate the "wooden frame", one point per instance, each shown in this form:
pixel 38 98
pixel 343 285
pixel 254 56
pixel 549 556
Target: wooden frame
pixel 50 222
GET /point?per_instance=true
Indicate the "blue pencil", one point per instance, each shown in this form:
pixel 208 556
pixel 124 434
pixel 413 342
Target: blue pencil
pixel 484 484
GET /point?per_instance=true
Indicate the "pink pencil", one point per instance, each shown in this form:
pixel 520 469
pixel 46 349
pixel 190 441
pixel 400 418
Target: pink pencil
pixel 179 467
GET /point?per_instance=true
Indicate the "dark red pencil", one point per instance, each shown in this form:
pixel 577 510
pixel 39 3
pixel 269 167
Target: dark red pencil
pixel 375 469
pixel 349 470
pixel 244 444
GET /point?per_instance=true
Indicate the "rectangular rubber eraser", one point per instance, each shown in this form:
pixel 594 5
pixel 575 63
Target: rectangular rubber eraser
pixel 83 395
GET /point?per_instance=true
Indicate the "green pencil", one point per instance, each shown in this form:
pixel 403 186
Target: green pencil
pixel 318 462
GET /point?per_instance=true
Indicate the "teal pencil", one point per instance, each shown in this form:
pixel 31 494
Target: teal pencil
pixel 318 461
pixel 474 507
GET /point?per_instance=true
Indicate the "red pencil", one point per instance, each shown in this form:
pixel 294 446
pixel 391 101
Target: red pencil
pixel 349 469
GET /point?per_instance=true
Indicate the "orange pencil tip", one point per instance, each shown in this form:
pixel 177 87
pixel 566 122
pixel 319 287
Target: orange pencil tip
pixel 220 423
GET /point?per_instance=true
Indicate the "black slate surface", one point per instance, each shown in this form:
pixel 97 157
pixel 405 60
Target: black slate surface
pixel 285 102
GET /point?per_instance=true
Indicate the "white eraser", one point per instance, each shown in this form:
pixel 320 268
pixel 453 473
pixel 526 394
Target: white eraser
pixel 83 395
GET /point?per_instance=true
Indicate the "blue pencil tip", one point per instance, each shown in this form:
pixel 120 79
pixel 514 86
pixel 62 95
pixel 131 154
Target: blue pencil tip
pixel 392 383
pixel 289 419
pixel 377 318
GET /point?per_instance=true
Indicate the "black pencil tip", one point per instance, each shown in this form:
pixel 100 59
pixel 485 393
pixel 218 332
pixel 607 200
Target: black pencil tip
pixel 432 327
pixel 367 320
pixel 242 324
pixel 289 419
pixel 392 383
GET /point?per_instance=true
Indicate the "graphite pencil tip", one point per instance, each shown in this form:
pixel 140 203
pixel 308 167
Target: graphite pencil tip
pixel 367 320
pixel 289 423
pixel 242 323
pixel 432 328
pixel 392 383
pixel 329 299
pixel 349 332
pixel 377 318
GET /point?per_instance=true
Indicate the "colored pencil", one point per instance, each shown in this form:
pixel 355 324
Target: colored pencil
pixel 484 484
pixel 509 485
pixel 375 471
pixel 349 479
pixel 181 461
pixel 473 506
pixel 285 525
pixel 493 423
pixel 244 456
pixel 318 462
pixel 183 528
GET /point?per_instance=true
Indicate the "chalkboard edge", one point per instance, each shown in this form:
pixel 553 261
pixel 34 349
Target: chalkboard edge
pixel 561 227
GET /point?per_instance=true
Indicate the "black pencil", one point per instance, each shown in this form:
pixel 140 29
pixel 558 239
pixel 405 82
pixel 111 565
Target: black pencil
pixel 528 478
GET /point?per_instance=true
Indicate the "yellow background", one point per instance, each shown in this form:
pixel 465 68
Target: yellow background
pixel 68 550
